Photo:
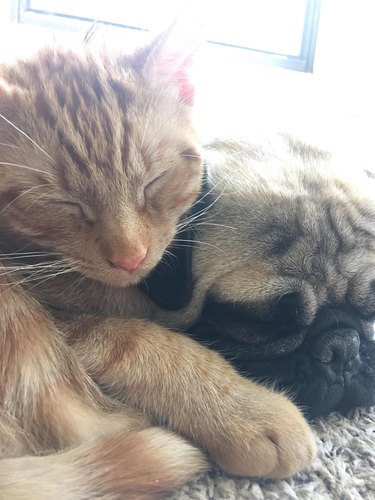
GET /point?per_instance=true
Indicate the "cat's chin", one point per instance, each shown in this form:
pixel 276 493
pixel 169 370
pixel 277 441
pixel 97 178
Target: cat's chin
pixel 118 278
pixel 122 280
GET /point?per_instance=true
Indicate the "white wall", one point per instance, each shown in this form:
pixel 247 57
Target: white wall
pixel 338 99
pixel 236 96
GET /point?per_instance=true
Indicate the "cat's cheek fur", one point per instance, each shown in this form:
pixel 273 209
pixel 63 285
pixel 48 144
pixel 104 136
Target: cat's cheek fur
pixel 184 189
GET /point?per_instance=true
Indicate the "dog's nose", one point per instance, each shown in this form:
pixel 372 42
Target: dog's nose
pixel 338 345
pixel 335 336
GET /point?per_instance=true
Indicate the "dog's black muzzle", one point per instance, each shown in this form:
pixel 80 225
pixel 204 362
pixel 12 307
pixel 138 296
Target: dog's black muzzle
pixel 326 367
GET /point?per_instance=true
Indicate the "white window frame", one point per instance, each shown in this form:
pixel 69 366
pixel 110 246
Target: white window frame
pixel 21 12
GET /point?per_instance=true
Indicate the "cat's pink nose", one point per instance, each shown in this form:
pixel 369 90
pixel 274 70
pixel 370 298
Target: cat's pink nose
pixel 129 263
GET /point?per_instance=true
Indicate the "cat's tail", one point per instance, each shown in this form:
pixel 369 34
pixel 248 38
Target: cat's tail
pixel 140 464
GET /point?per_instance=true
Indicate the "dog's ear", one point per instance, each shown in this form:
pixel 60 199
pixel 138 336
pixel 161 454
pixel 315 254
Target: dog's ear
pixel 170 283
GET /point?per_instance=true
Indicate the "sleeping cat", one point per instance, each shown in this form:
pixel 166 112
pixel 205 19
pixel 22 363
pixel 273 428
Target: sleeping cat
pixel 99 160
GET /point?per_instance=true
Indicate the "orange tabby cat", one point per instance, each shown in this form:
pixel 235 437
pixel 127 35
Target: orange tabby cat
pixel 98 161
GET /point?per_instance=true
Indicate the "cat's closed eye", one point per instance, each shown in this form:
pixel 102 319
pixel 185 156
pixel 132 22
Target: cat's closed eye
pixel 78 209
pixel 190 153
pixel 154 182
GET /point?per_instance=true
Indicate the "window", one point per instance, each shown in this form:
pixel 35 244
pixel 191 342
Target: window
pixel 278 32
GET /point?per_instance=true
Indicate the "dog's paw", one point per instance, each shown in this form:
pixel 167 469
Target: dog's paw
pixel 268 437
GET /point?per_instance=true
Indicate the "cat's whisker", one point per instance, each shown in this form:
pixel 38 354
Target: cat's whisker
pixel 145 283
pixel 242 151
pixel 170 259
pixel 40 278
pixel 52 273
pixel 239 152
pixel 191 226
pixel 184 223
pixel 9 145
pixel 33 268
pixel 166 263
pixel 215 186
pixel 23 255
pixel 27 168
pixel 170 254
pixel 185 246
pixel 45 263
pixel 189 219
pixel 41 281
pixel 22 194
pixel 204 223
pixel 27 136
pixel 73 286
pixel 198 242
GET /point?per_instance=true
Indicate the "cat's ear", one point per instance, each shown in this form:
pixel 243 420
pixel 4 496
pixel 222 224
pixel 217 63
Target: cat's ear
pixel 168 60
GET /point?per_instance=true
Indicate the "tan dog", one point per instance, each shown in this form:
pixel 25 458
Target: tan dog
pixel 281 279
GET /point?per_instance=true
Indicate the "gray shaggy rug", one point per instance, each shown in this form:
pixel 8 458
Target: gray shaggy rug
pixel 344 468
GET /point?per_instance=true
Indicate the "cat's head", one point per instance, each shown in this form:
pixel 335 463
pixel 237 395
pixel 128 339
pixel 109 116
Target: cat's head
pixel 98 154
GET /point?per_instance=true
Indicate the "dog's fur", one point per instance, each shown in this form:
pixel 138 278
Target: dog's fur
pixel 282 277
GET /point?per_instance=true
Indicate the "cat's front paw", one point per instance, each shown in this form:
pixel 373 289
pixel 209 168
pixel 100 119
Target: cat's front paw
pixel 268 438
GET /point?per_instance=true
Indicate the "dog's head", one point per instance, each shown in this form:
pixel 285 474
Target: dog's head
pixel 282 278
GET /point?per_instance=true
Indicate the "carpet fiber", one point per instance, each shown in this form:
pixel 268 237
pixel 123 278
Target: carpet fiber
pixel 343 470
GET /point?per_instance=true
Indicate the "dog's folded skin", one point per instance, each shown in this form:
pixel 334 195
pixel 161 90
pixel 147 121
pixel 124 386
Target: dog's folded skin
pixel 319 385
pixel 283 272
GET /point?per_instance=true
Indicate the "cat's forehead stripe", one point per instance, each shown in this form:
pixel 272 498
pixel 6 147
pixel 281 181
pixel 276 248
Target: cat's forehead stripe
pixel 84 103
pixel 90 109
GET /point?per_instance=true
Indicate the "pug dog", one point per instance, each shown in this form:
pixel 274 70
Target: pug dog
pixel 275 269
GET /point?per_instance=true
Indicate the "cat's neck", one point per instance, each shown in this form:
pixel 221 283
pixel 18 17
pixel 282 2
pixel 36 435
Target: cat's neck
pixel 76 294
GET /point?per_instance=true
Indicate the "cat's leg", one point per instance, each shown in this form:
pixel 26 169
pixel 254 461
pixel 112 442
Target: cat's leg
pixel 246 428
pixel 43 388
pixel 137 465
pixel 48 403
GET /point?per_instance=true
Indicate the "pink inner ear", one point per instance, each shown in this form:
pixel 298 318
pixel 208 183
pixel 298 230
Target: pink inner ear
pixel 186 89
pixel 185 86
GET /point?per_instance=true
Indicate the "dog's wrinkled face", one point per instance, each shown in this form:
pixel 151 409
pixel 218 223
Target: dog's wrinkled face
pixel 284 279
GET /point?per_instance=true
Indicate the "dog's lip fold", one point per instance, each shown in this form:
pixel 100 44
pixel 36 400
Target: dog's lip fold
pixel 217 313
pixel 320 387
pixel 267 350
pixel 332 319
